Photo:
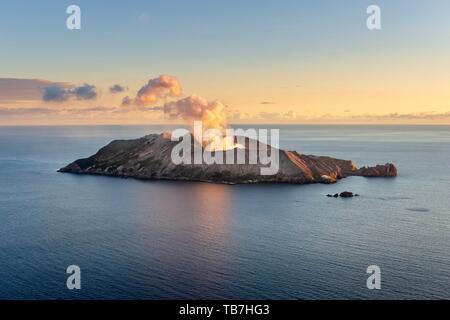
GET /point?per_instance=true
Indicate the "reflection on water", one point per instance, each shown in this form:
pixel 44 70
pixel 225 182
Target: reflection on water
pixel 215 203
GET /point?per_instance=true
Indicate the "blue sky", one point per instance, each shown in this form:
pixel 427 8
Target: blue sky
pixel 168 36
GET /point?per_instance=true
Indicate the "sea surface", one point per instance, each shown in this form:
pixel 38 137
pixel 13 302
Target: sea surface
pixel 179 240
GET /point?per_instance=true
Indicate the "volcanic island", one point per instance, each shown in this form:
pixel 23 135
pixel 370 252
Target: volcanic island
pixel 151 158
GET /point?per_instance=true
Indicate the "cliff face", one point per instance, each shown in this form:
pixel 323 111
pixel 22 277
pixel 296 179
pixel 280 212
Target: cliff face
pixel 150 158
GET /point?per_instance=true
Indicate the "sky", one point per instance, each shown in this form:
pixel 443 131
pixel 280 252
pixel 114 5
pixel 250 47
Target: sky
pixel 266 61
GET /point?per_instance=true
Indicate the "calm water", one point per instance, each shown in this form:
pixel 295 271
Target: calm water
pixel 157 240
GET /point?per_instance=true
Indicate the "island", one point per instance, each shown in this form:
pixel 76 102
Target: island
pixel 149 158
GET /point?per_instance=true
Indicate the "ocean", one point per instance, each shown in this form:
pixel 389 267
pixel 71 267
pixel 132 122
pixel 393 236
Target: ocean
pixel 179 240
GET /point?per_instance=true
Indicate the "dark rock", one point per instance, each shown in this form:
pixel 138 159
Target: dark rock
pixel 336 195
pixel 346 194
pixel 388 170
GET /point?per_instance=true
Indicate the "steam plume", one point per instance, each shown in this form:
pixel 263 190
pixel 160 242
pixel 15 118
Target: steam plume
pixel 158 88
pixel 211 113
pixel 191 108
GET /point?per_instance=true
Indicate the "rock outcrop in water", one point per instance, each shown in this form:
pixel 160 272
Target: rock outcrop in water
pixel 150 158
